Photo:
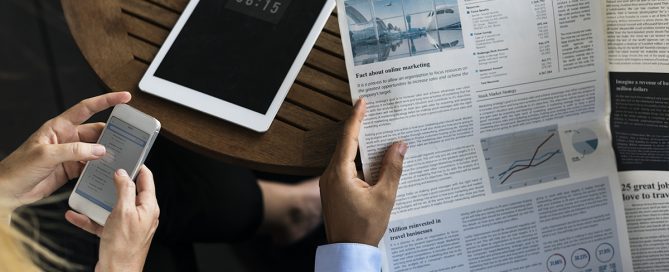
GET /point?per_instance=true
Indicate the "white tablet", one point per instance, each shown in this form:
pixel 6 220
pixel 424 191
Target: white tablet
pixel 236 59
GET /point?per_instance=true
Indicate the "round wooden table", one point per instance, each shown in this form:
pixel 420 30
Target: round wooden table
pixel 119 38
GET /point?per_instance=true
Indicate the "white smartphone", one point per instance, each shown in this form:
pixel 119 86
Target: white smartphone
pixel 128 137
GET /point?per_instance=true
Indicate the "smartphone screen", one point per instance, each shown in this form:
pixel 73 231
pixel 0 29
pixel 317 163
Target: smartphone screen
pixel 124 144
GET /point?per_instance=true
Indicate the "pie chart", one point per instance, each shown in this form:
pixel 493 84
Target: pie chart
pixel 585 141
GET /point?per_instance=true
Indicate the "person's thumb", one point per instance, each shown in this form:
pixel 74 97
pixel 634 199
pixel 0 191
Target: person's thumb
pixel 125 190
pixel 391 166
pixel 78 151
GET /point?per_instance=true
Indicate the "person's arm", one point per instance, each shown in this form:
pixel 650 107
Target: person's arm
pixel 5 217
pixel 356 212
pixel 53 154
pixel 126 237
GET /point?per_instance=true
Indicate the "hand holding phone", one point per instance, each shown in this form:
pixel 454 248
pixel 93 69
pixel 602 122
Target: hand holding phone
pixel 128 137
pixel 126 238
pixel 53 154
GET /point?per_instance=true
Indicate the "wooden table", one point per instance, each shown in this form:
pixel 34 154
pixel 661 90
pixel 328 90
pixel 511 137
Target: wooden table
pixel 119 38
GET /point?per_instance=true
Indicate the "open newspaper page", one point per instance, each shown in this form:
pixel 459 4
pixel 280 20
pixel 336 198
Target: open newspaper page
pixel 504 106
pixel 638 43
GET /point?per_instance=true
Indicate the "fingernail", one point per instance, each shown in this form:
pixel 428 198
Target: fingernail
pixel 99 150
pixel 121 173
pixel 403 148
pixel 358 104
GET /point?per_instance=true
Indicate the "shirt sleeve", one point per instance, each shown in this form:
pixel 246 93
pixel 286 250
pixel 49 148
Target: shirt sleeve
pixel 347 257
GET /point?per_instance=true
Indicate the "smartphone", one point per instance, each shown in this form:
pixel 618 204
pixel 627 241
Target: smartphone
pixel 128 137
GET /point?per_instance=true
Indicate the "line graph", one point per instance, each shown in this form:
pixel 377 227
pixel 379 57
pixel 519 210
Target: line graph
pixel 524 158
pixel 524 167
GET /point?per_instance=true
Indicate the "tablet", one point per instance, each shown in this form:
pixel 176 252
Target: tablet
pixel 236 59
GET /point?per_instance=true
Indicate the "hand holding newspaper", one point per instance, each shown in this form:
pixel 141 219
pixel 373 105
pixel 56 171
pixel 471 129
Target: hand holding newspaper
pixel 505 105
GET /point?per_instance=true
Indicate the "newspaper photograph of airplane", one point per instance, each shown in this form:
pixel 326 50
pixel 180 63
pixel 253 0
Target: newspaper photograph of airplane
pixel 383 30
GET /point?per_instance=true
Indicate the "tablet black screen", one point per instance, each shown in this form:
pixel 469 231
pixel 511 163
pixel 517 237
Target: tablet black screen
pixel 240 50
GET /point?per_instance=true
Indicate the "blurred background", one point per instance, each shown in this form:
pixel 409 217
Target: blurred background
pixel 42 73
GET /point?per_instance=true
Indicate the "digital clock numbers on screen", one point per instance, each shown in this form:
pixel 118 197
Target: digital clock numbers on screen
pixel 267 10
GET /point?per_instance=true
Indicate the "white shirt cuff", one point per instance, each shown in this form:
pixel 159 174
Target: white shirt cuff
pixel 344 257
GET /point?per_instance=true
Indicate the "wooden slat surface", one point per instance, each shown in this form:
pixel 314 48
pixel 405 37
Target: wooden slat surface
pixel 144 30
pixel 175 5
pixel 304 133
pixel 150 12
pixel 142 49
pixel 329 108
pixel 302 117
pixel 331 63
pixel 332 25
pixel 324 83
pixel 330 43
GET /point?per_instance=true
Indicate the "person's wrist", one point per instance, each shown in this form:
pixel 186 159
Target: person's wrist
pixel 116 267
pixel 6 217
pixel 7 200
pixel 112 265
pixel 336 239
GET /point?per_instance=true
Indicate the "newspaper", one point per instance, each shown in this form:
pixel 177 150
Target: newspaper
pixel 638 44
pixel 505 107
